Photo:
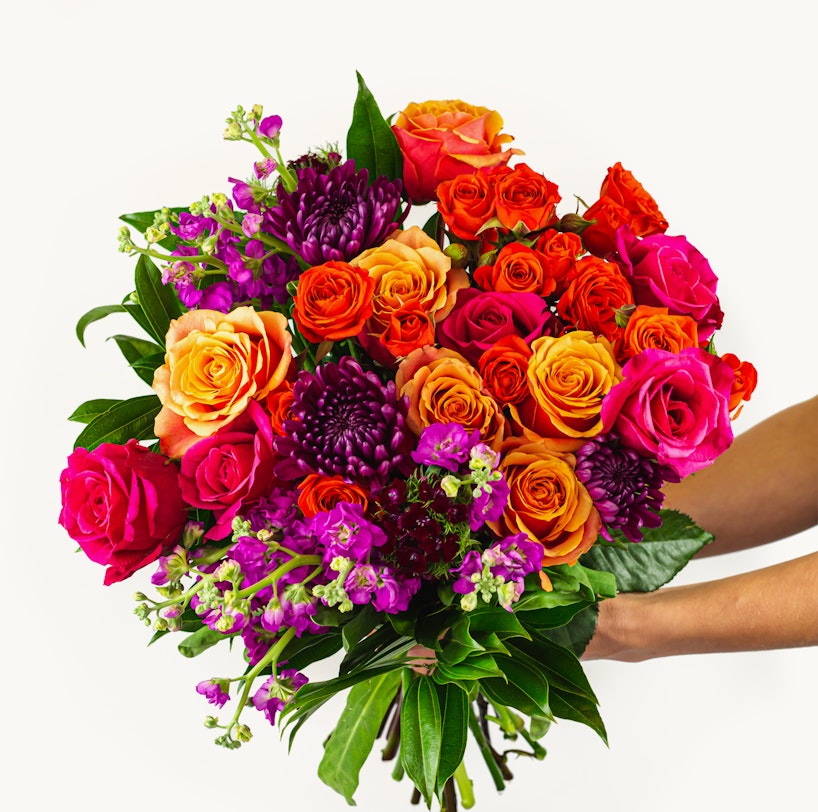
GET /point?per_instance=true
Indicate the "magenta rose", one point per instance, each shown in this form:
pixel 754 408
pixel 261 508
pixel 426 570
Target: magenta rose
pixel 673 406
pixel 122 505
pixel 231 469
pixel 480 319
pixel 669 272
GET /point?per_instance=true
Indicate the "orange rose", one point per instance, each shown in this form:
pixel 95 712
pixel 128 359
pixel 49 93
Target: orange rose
pixel 744 382
pixel 547 502
pixel 318 493
pixel 278 404
pixel 504 368
pixel 622 201
pixel 410 328
pixel 214 365
pixel 655 328
pixel 516 269
pixel 526 197
pixel 568 377
pixel 410 267
pixel 559 251
pixel 443 387
pixel 333 301
pixel 596 291
pixel 442 139
pixel 465 203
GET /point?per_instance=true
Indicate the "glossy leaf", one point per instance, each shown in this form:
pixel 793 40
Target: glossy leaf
pixel 576 634
pixel 201 640
pixel 128 419
pixel 136 350
pixel 559 665
pixel 370 140
pixel 656 559
pixel 475 666
pixel 577 708
pixel 95 314
pixel 159 302
pixel 525 689
pixel 351 742
pixel 420 735
pixel 310 648
pixel 454 711
pixel 359 626
pixel 86 412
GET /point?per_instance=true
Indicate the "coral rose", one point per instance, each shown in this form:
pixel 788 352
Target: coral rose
pixel 442 139
pixel 517 268
pixel 333 301
pixel 442 387
pixel 318 493
pixel 670 272
pixel 673 407
pixel 596 292
pixel 122 505
pixel 504 368
pixel 745 378
pixel 568 378
pixel 547 502
pixel 466 204
pixel 215 364
pixel 559 251
pixel 655 328
pixel 622 201
pixel 524 197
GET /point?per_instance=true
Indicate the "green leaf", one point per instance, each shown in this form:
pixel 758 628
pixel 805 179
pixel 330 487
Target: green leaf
pixel 370 140
pixel 351 742
pixel 555 616
pixel 560 666
pixel 128 419
pixel 159 302
pixel 498 620
pixel 136 350
pixel 380 643
pixel 475 666
pixel 95 314
pixel 359 626
pixel 458 643
pixel 432 226
pixel 651 563
pixel 310 648
pixel 526 688
pixel 576 634
pixel 86 412
pixel 200 641
pixel 577 708
pixel 454 711
pixel 420 736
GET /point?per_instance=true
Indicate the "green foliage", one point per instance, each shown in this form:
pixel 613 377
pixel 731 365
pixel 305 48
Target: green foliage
pixel 370 140
pixel 201 640
pixel 351 742
pixel 159 302
pixel 125 420
pixel 421 725
pixel 656 559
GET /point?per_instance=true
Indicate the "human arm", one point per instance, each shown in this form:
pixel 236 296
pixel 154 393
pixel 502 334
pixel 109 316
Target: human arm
pixel 771 608
pixel 763 488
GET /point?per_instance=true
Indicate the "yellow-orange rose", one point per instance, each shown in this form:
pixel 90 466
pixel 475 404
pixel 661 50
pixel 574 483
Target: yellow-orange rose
pixel 655 328
pixel 410 267
pixel 568 377
pixel 443 387
pixel 547 502
pixel 442 139
pixel 214 365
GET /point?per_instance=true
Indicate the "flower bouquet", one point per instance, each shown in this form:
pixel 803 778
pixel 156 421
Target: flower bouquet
pixel 365 437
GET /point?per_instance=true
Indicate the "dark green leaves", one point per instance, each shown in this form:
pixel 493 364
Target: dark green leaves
pixel 158 302
pixel 654 561
pixel 370 140
pixel 201 640
pixel 421 734
pixel 125 420
pixel 354 735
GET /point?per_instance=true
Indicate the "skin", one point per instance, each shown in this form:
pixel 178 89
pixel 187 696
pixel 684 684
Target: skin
pixel 762 489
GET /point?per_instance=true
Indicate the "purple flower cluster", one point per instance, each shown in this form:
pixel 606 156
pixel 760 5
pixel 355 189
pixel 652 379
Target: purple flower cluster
pixel 277 691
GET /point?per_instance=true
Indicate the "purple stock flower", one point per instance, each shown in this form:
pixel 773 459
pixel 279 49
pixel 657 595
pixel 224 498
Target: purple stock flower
pixel 270 126
pixel 334 216
pixel 191 227
pixel 276 692
pixel 626 488
pixel 489 504
pixel 472 566
pixel 446 445
pixel 392 594
pixel 215 691
pixel 343 531
pixel 345 422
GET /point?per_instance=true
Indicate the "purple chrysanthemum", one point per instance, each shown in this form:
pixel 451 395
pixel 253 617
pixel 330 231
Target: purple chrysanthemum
pixel 334 216
pixel 345 422
pixel 626 488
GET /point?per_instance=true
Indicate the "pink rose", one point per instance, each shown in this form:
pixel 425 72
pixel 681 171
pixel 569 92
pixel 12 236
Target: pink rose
pixel 481 318
pixel 673 406
pixel 122 505
pixel 231 469
pixel 669 272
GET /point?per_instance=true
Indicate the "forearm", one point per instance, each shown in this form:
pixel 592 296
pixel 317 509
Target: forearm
pixel 763 488
pixel 772 608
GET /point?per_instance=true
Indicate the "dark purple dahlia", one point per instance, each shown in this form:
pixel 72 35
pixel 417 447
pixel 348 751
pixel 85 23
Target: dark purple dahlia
pixel 626 488
pixel 345 422
pixel 335 216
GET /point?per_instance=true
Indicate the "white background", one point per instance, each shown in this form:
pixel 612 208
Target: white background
pixel 113 107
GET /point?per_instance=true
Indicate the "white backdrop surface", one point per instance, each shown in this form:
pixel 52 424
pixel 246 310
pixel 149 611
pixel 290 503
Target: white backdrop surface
pixel 113 107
